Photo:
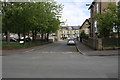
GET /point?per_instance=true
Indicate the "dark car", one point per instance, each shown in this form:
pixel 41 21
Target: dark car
pixel 27 39
pixel 13 40
pixel 71 42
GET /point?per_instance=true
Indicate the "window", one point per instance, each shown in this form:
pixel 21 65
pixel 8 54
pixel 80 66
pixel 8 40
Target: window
pixel 69 32
pixel 87 31
pixel 97 8
pixel 77 31
pixel 95 27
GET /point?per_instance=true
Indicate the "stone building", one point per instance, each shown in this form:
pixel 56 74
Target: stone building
pixel 85 27
pixel 69 31
pixel 99 8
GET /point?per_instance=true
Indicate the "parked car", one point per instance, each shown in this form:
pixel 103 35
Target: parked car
pixel 71 42
pixel 13 40
pixel 27 39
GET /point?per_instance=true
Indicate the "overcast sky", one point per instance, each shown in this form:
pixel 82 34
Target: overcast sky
pixel 75 12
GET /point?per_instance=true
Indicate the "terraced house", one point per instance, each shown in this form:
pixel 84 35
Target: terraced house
pixel 69 31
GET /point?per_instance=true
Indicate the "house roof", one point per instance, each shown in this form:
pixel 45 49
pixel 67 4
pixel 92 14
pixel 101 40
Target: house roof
pixel 75 27
pixel 91 5
pixel 70 27
pixel 64 28
pixel 87 20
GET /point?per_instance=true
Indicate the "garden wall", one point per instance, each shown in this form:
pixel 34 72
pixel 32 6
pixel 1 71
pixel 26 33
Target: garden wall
pixel 102 44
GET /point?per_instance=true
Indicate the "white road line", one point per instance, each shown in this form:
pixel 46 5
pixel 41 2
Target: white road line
pixel 60 52
pixel 29 51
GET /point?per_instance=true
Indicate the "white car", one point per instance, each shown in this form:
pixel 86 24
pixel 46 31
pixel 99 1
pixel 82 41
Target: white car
pixel 71 42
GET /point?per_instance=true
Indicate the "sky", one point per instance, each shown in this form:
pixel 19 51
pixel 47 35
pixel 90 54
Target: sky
pixel 75 12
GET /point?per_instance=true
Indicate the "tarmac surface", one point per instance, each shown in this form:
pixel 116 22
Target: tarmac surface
pixel 57 60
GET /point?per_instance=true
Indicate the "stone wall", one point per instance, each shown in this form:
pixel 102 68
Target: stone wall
pixel 93 43
pixel 102 44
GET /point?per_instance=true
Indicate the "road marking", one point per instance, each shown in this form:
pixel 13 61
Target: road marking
pixel 60 52
pixel 29 51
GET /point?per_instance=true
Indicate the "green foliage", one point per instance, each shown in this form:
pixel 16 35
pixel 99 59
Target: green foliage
pixel 83 35
pixel 118 8
pixel 15 45
pixel 23 17
pixel 107 20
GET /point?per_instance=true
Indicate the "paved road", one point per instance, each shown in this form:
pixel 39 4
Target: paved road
pixel 57 60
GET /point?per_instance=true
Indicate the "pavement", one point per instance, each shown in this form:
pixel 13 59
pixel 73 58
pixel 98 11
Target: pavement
pixel 85 50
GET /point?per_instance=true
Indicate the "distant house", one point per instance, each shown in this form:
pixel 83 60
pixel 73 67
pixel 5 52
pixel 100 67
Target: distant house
pixel 99 8
pixel 85 27
pixel 69 31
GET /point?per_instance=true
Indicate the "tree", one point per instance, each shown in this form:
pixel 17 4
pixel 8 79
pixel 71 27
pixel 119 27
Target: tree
pixel 118 23
pixel 83 35
pixel 53 16
pixel 118 8
pixel 16 18
pixel 46 16
pixel 0 18
pixel 107 20
pixel 35 17
pixel 7 18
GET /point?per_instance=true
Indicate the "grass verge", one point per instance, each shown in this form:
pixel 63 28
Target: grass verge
pixel 17 45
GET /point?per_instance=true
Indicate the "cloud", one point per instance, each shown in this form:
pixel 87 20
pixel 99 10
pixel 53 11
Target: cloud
pixel 75 12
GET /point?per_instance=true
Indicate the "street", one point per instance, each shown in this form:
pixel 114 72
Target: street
pixel 56 60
